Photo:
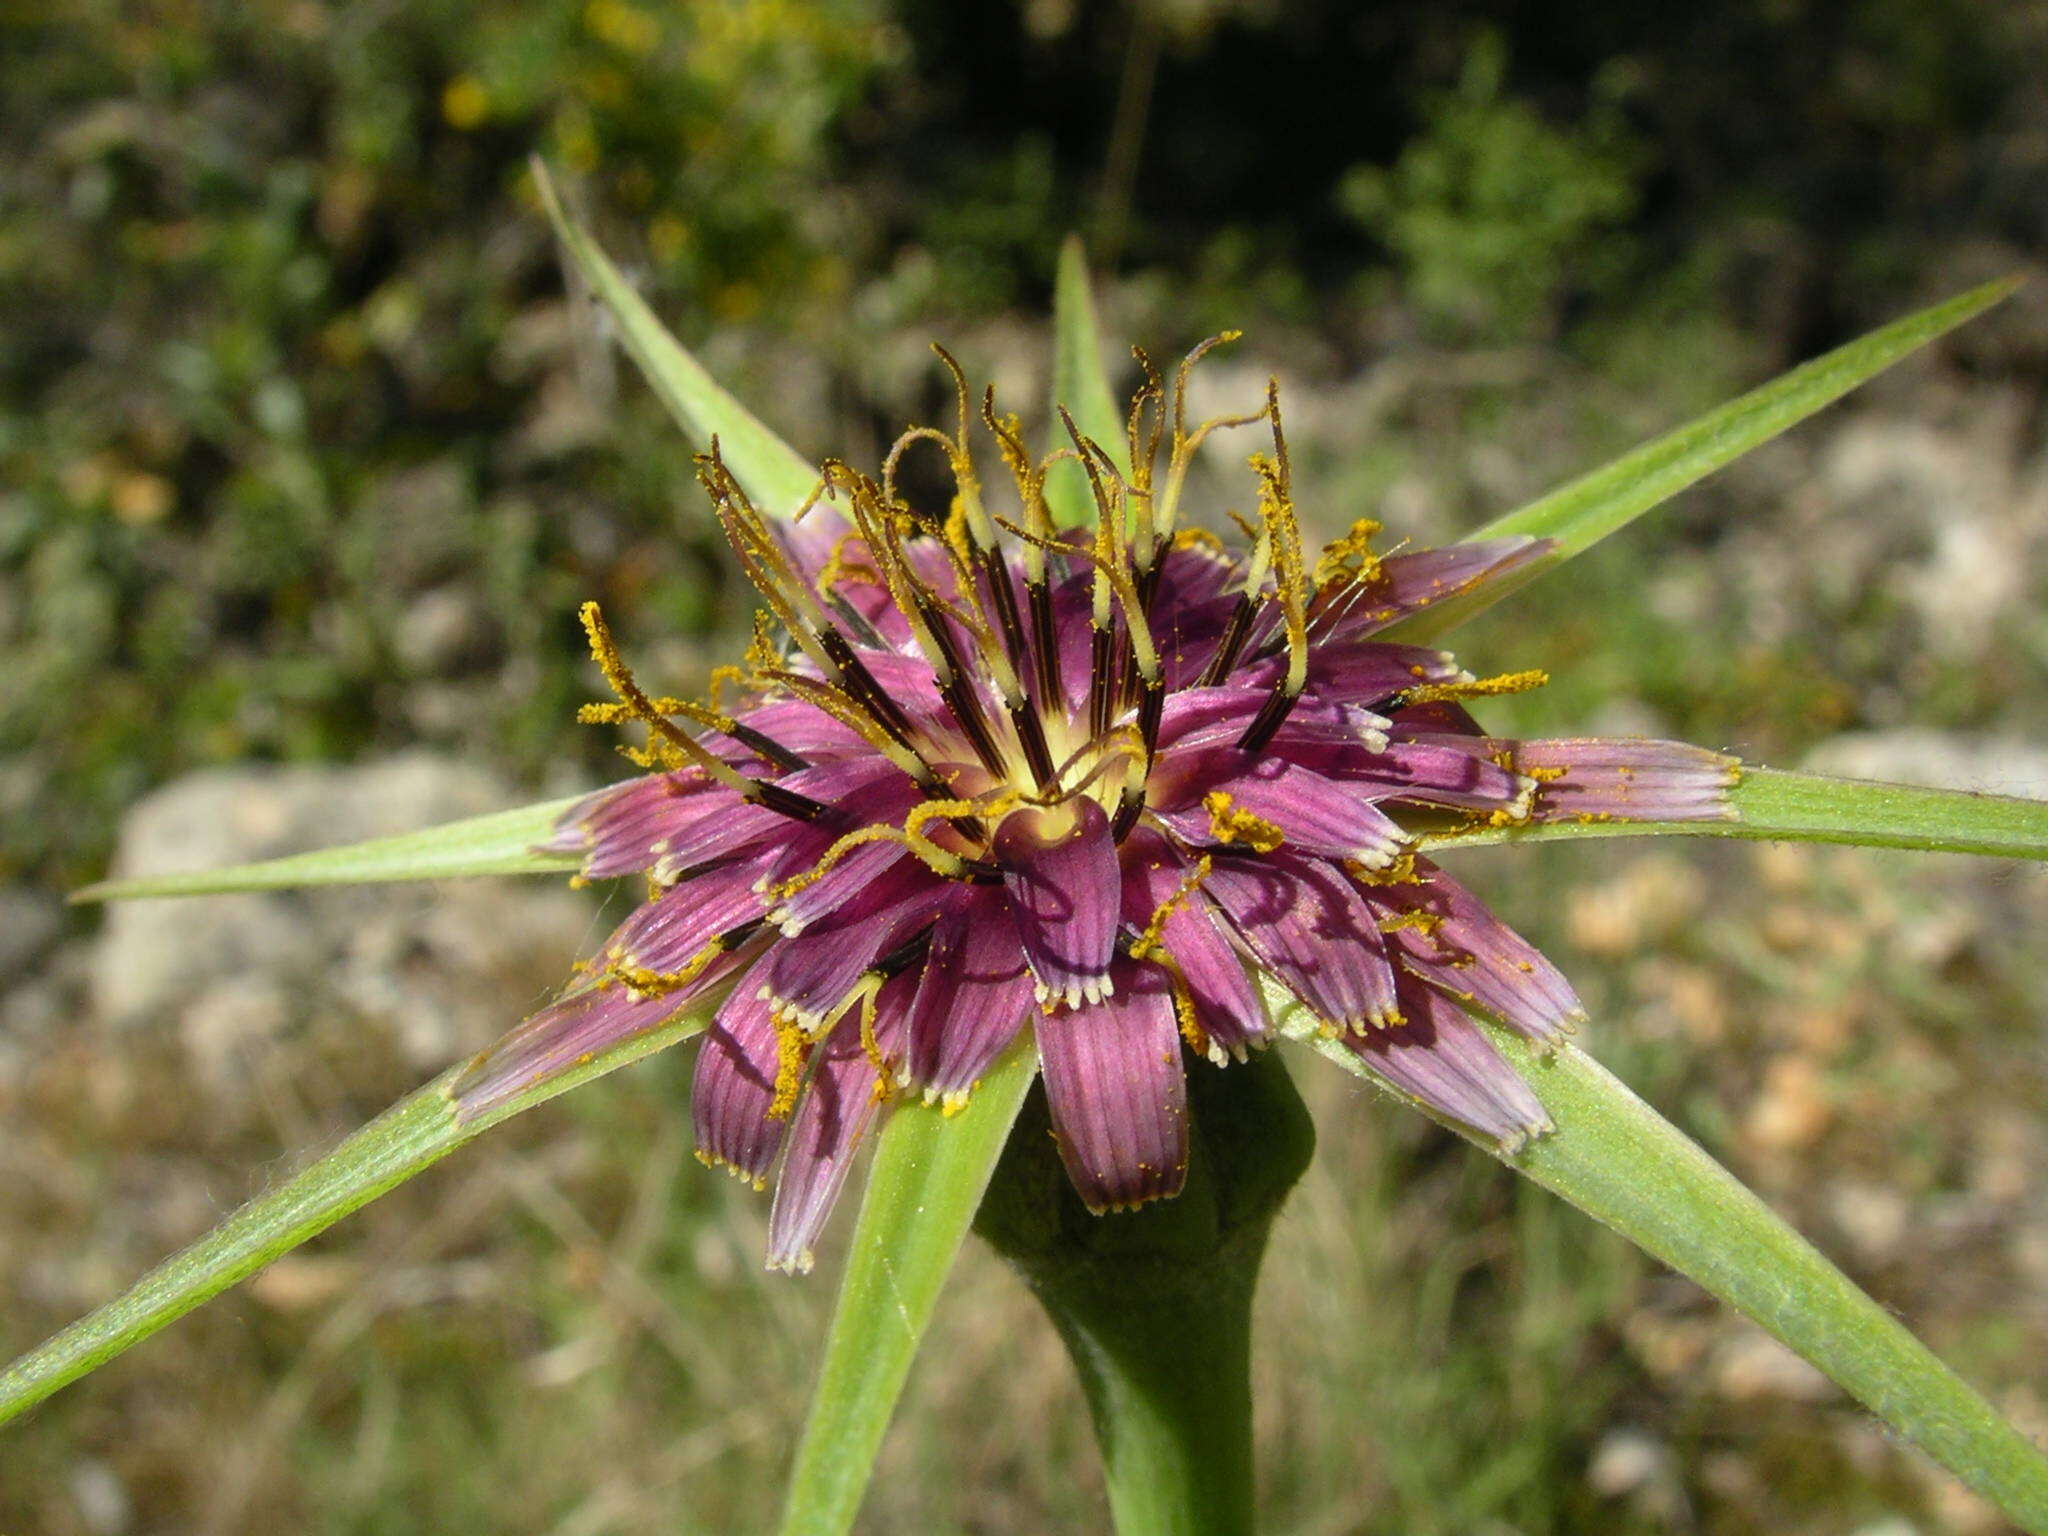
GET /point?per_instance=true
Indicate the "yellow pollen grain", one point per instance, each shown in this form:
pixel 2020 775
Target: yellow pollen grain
pixel 1230 823
pixel 1350 558
pixel 1401 871
pixel 1190 1028
pixel 1416 922
pixel 839 569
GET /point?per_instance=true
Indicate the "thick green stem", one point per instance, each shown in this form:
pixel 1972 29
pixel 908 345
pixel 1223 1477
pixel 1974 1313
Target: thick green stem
pixel 1155 1305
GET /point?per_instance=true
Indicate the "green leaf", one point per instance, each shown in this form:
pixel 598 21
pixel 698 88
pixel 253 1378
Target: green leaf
pixel 775 477
pixel 1777 806
pixel 1622 1163
pixel 497 844
pixel 1584 512
pixel 416 1132
pixel 927 1179
pixel 1081 384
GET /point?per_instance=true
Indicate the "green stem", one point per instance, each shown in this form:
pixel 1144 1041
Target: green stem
pixel 1155 1305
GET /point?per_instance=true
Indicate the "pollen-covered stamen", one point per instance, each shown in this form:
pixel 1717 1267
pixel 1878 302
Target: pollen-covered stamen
pixel 1230 824
pixel 1143 429
pixel 762 558
pixel 1290 579
pixel 856 718
pixel 1039 660
pixel 960 454
pixel 940 860
pixel 1498 686
pixel 1182 454
pixel 759 743
pixel 1150 942
pixel 605 652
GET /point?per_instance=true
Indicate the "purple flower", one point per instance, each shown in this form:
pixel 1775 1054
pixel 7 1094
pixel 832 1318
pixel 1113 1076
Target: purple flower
pixel 987 776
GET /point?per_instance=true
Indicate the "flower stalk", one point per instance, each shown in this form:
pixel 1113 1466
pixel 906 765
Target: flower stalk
pixel 1155 1305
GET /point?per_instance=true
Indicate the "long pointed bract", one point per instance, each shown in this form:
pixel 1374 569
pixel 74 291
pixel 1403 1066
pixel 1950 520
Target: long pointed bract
pixel 1585 511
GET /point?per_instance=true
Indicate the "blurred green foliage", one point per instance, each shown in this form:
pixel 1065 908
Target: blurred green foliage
pixel 1494 214
pixel 282 363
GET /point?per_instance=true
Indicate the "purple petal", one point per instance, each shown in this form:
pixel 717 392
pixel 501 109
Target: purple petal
pixel 1628 780
pixel 734 1085
pixel 1441 1058
pixel 1305 922
pixel 1411 582
pixel 666 933
pixel 1216 717
pixel 847 881
pixel 1060 869
pixel 567 1034
pixel 1448 938
pixel 1314 814
pixel 974 994
pixel 812 975
pixel 615 829
pixel 1368 672
pixel 1114 1083
pixel 1227 1006
pixel 672 822
pixel 1435 774
pixel 837 1108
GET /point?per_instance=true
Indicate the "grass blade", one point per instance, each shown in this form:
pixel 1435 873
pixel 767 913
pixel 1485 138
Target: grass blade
pixel 1081 384
pixel 775 477
pixel 498 844
pixel 1584 512
pixel 926 1183
pixel 1778 806
pixel 1625 1165
pixel 415 1133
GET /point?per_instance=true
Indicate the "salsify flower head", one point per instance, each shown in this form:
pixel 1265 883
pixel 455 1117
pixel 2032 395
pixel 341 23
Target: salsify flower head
pixel 991 776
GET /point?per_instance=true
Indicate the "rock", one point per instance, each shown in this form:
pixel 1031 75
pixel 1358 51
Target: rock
pixel 1751 1365
pixel 441 967
pixel 29 920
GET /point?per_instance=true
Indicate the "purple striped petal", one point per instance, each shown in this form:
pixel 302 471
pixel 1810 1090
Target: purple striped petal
pixel 1314 814
pixel 1368 672
pixel 666 933
pixel 1628 780
pixel 1305 921
pixel 1411 582
pixel 615 829
pixel 811 976
pixel 974 995
pixel 1435 774
pixel 1443 934
pixel 1227 1005
pixel 836 1111
pixel 1441 1058
pixel 734 1085
pixel 1060 869
pixel 1114 1083
pixel 1216 717
pixel 847 881
pixel 567 1034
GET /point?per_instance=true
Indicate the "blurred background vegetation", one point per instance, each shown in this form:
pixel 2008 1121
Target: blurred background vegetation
pixel 306 456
